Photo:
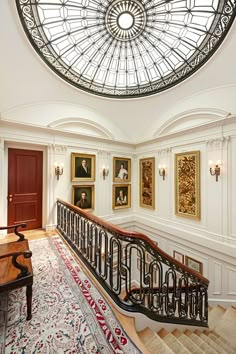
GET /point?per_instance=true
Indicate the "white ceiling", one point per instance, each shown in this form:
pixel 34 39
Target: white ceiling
pixel 30 93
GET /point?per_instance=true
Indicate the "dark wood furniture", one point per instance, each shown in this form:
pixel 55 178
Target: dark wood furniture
pixel 15 266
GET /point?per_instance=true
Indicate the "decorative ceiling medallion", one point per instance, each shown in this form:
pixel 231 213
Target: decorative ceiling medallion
pixel 125 48
pixel 125 20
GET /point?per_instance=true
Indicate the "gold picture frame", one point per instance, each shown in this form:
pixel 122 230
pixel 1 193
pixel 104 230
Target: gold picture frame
pixel 83 196
pixel 121 196
pixel 187 184
pixel 147 182
pixel 82 167
pixel 178 256
pixel 194 264
pixel 121 169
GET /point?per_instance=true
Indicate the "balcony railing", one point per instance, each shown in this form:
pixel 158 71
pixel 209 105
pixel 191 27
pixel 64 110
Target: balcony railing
pixel 137 274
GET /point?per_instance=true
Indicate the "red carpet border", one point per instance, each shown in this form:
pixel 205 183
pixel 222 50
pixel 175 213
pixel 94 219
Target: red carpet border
pixel 69 314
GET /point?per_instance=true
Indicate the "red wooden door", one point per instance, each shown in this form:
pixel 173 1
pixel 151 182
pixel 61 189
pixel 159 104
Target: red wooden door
pixel 25 187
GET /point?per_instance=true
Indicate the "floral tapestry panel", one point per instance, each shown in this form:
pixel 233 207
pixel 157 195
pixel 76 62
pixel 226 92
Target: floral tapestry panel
pixel 187 184
pixel 147 185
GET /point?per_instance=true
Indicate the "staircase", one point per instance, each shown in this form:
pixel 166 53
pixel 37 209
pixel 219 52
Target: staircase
pixel 220 338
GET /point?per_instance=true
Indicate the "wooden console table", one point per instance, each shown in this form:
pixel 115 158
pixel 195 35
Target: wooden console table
pixel 15 266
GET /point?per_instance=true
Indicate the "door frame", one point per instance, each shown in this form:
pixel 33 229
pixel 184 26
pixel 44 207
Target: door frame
pixel 25 146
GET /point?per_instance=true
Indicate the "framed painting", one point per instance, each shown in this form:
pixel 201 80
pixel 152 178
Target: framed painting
pixel 147 183
pixel 83 196
pixel 194 264
pixel 121 196
pixel 187 184
pixel 178 256
pixel 82 167
pixel 121 169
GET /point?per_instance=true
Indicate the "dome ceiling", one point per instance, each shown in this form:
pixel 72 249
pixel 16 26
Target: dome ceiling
pixel 125 49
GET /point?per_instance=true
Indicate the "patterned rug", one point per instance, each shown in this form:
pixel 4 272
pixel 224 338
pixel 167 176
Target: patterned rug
pixel 69 314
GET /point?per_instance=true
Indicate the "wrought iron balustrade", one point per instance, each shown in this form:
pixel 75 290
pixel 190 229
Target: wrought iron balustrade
pixel 137 274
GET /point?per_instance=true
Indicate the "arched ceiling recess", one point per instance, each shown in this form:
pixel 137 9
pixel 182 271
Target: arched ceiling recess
pixel 81 126
pixel 64 116
pixel 190 119
pixel 125 48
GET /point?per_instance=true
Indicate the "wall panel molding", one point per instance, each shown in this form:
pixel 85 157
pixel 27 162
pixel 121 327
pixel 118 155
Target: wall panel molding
pixel 231 281
pixel 217 278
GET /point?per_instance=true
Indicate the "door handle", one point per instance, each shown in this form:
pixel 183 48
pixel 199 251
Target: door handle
pixel 10 198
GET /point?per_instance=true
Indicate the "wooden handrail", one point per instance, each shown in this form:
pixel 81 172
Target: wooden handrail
pixel 122 232
pixel 166 290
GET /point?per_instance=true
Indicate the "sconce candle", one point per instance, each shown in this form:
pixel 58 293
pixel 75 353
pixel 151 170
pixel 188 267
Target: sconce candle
pixel 58 169
pixel 162 171
pixel 215 168
pixel 105 171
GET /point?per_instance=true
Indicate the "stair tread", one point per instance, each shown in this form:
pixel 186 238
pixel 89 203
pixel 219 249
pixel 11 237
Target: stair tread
pixel 218 339
pixel 153 342
pixel 226 326
pixel 212 344
pixel 175 344
pixel 202 345
pixel 222 343
pixel 215 314
pixel 187 342
pixel 162 333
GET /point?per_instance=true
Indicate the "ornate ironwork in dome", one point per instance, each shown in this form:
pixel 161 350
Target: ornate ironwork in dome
pixel 125 48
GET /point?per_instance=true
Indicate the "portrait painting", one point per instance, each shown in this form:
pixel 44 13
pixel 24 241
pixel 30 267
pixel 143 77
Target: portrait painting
pixel 121 197
pixel 82 167
pixel 187 184
pixel 194 264
pixel 147 183
pixel 83 196
pixel 121 169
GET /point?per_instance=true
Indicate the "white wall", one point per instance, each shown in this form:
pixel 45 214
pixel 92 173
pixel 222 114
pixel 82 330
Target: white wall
pixel 58 147
pixel 211 240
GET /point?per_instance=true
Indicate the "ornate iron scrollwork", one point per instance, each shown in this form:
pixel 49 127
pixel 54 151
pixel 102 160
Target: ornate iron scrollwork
pixel 137 275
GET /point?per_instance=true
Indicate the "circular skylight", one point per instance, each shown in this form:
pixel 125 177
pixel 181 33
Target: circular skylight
pixel 125 48
pixel 125 20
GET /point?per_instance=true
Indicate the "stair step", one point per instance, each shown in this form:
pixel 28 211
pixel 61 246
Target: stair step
pixel 198 341
pixel 153 342
pixel 220 338
pixel 226 326
pixel 221 343
pixel 162 333
pixel 187 342
pixel 175 344
pixel 215 314
pixel 212 344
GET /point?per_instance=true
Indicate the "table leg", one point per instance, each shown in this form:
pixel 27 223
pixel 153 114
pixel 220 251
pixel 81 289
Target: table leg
pixel 29 302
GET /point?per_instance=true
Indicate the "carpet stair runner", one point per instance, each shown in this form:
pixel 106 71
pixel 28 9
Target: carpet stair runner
pixel 220 338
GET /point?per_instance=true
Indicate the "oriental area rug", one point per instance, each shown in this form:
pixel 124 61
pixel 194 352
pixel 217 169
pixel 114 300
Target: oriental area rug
pixel 69 314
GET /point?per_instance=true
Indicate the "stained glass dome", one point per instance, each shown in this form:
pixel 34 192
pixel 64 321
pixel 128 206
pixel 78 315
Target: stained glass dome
pixel 125 48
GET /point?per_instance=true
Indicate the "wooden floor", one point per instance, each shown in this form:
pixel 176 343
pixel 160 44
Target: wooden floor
pixel 30 235
pixel 126 322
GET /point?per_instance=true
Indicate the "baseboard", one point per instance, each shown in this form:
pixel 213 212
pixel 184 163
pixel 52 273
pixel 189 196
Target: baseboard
pixel 222 302
pixel 51 227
